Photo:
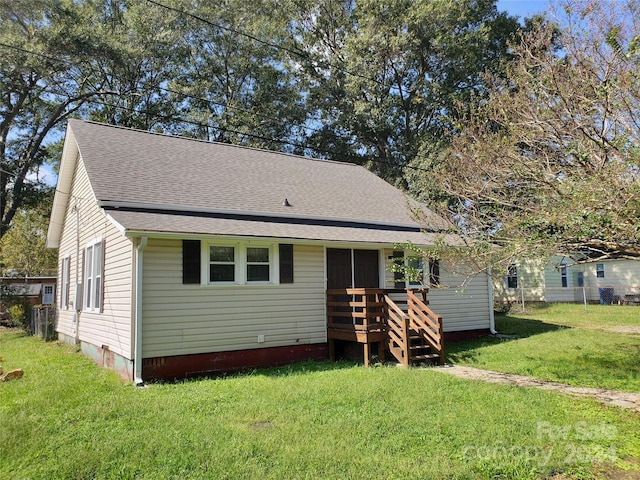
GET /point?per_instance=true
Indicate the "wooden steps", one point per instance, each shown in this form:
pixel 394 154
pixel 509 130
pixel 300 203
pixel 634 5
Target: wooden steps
pixel 415 332
pixel 410 330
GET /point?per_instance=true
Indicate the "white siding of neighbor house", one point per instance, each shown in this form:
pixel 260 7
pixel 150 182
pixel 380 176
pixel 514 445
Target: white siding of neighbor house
pixel 113 326
pixel 622 275
pixel 531 283
pixel 462 307
pixel 188 319
pixel 542 280
pixel 554 291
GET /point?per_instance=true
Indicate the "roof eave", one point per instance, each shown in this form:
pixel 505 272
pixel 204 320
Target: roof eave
pixel 68 162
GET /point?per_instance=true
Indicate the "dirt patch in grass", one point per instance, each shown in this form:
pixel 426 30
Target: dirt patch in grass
pixel 609 471
pixel 624 329
pixel 610 397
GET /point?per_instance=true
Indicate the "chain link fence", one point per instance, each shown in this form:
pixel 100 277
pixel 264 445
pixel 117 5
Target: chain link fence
pixel 603 295
pixel 43 321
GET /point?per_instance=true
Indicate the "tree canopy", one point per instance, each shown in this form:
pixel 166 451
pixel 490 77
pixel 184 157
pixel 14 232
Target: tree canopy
pixel 384 76
pixel 370 82
pixel 550 162
pixel 22 249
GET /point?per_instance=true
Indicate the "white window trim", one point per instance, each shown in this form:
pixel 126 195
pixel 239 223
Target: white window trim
pixel 604 274
pixel 206 262
pixel 89 300
pixel 240 260
pixel 564 273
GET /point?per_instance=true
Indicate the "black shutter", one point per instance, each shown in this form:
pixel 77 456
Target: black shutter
pixel 191 261
pixel 286 263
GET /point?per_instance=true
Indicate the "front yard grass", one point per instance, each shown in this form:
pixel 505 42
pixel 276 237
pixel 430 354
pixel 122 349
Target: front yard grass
pixel 563 343
pixel 69 419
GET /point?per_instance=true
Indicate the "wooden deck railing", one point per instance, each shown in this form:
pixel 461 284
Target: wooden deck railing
pixel 398 330
pixel 425 322
pixel 356 315
pixel 369 315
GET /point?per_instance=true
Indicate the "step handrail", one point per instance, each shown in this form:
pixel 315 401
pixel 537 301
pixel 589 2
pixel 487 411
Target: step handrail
pixel 426 323
pixel 398 330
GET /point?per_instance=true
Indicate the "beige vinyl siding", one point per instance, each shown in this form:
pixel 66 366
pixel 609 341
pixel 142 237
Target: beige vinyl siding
pixel 187 319
pixel 554 291
pixel 113 326
pixel 531 283
pixel 461 307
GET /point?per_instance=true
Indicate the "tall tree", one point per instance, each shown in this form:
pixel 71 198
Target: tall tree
pixel 22 249
pixel 147 52
pixel 551 162
pixel 386 75
pixel 235 84
pixel 48 72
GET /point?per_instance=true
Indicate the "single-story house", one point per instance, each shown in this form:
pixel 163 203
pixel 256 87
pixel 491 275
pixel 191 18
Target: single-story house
pixel 179 256
pixel 570 279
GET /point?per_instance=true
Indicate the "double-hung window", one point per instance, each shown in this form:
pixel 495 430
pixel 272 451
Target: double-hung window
pixel 415 271
pixel 564 276
pixel 600 270
pixel 258 264
pixel 65 279
pixel 222 264
pixel 93 268
pixel 241 263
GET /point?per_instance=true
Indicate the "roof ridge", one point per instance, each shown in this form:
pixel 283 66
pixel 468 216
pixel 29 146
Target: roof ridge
pixel 244 147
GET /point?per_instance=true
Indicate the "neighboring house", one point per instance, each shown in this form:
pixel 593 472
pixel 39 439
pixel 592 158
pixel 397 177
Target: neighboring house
pixel 179 256
pixel 563 279
pixel 38 290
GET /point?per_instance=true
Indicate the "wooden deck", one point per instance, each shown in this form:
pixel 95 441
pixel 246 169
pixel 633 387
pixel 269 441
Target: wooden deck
pixel 369 316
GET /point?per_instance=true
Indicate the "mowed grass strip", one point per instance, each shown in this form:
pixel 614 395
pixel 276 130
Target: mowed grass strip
pixel 563 343
pixel 67 418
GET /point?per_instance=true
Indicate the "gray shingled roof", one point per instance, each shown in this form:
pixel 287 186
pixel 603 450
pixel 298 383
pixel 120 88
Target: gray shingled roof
pixel 169 174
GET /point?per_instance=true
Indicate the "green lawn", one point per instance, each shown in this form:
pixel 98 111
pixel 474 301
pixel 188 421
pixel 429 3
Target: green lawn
pixel 68 419
pixel 563 343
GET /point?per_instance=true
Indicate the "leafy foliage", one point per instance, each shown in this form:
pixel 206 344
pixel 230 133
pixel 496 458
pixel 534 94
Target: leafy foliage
pixel 364 81
pixel 22 249
pixel 549 163
pixel 384 76
pixel 50 67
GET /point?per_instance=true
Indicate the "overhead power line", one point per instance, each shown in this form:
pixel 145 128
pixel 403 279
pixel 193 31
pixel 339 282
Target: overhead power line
pixel 182 94
pixel 298 53
pixel 354 158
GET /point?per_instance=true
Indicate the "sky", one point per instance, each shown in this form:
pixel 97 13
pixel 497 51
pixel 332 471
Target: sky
pixel 522 8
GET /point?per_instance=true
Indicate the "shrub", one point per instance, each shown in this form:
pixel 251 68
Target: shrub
pixel 20 314
pixel 502 307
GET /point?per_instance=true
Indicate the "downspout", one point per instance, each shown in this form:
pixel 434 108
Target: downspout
pixel 137 349
pixel 492 319
pixel 79 293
